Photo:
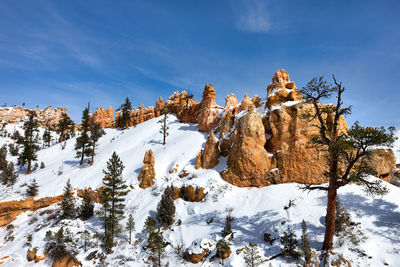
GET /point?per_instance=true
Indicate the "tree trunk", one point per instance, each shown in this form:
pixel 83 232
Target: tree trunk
pixel 83 150
pixel 330 218
pixel 92 161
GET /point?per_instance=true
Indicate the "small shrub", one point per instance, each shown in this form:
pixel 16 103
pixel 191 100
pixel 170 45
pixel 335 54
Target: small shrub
pixel 223 250
pixel 42 166
pixel 33 220
pixel 305 244
pixel 252 255
pixel 32 189
pixel 290 245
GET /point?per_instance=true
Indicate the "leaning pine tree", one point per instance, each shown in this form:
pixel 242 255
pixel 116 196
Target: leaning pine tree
pixel 166 209
pixel 113 199
pixel 30 143
pixel 347 150
pixel 95 133
pixel 83 141
pixel 125 113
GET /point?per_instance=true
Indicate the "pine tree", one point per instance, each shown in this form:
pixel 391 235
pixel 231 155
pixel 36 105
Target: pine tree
pixel 87 207
pixel 86 238
pixel 227 229
pixel 290 245
pixel 164 128
pixel 252 255
pixel 8 175
pixel 223 249
pixel 60 244
pixel 64 125
pixel 68 202
pixel 95 133
pixel 346 150
pixel 114 191
pixel 305 243
pixel 30 143
pixel 157 246
pixel 130 226
pixel 33 188
pixel 83 141
pixel 3 158
pixel 150 225
pixel 125 116
pixel 166 209
pixel 47 136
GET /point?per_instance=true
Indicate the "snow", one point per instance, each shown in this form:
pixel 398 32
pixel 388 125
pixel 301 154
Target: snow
pixel 255 210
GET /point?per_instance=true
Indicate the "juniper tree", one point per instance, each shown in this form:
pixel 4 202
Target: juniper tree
pixel 95 133
pixel 64 125
pixel 87 208
pixel 305 243
pixel 166 209
pixel 347 150
pixel 47 136
pixel 68 202
pixel 252 256
pixel 164 127
pixel 113 199
pixel 130 226
pixel 125 113
pixel 30 146
pixel 83 141
pixel 33 188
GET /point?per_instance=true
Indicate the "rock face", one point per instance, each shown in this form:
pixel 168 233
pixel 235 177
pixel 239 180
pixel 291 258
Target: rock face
pixel 159 107
pixel 105 117
pixel 209 110
pixel 383 161
pixel 189 193
pixel 148 173
pixel 46 116
pixel 248 161
pixel 199 250
pixel 66 261
pixel 282 90
pixel 209 156
pixel 11 209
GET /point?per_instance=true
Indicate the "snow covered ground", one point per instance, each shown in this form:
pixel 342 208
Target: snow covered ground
pixel 255 211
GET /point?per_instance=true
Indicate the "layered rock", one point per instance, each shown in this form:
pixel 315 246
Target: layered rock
pixel 159 107
pixel 282 90
pixel 46 116
pixel 209 110
pixel 11 209
pixel 208 158
pixel 199 250
pixel 189 193
pixel 248 161
pixel 383 161
pixel 104 117
pixel 148 173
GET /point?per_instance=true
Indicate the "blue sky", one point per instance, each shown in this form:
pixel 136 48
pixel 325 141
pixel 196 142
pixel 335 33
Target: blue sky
pixel 65 53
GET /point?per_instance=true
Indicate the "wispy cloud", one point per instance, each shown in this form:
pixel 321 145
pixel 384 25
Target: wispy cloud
pixel 251 15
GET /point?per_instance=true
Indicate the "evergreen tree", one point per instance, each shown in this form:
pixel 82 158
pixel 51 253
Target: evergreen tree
pixel 114 192
pixel 223 249
pixel 68 202
pixel 86 238
pixel 30 146
pixel 290 245
pixel 164 128
pixel 157 246
pixel 8 175
pixel 83 141
pixel 60 244
pixel 130 226
pixel 252 255
pixel 227 229
pixel 166 209
pixel 47 136
pixel 305 243
pixel 87 207
pixel 346 151
pixel 150 225
pixel 125 114
pixel 95 133
pixel 33 188
pixel 64 125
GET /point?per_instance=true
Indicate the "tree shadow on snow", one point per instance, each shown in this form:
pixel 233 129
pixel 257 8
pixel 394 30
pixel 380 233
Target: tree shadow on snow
pixel 382 210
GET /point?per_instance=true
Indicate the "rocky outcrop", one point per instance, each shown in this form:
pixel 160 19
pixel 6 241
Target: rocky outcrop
pixel 248 161
pixel 104 117
pixel 66 261
pixel 148 173
pixel 209 110
pixel 94 194
pixel 282 90
pixel 383 161
pixel 189 193
pixel 32 255
pixel 209 156
pixel 159 107
pixel 199 250
pixel 46 116
pixel 11 209
pixel 244 105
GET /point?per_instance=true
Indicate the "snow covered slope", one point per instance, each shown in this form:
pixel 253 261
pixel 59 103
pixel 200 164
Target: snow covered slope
pixel 255 211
